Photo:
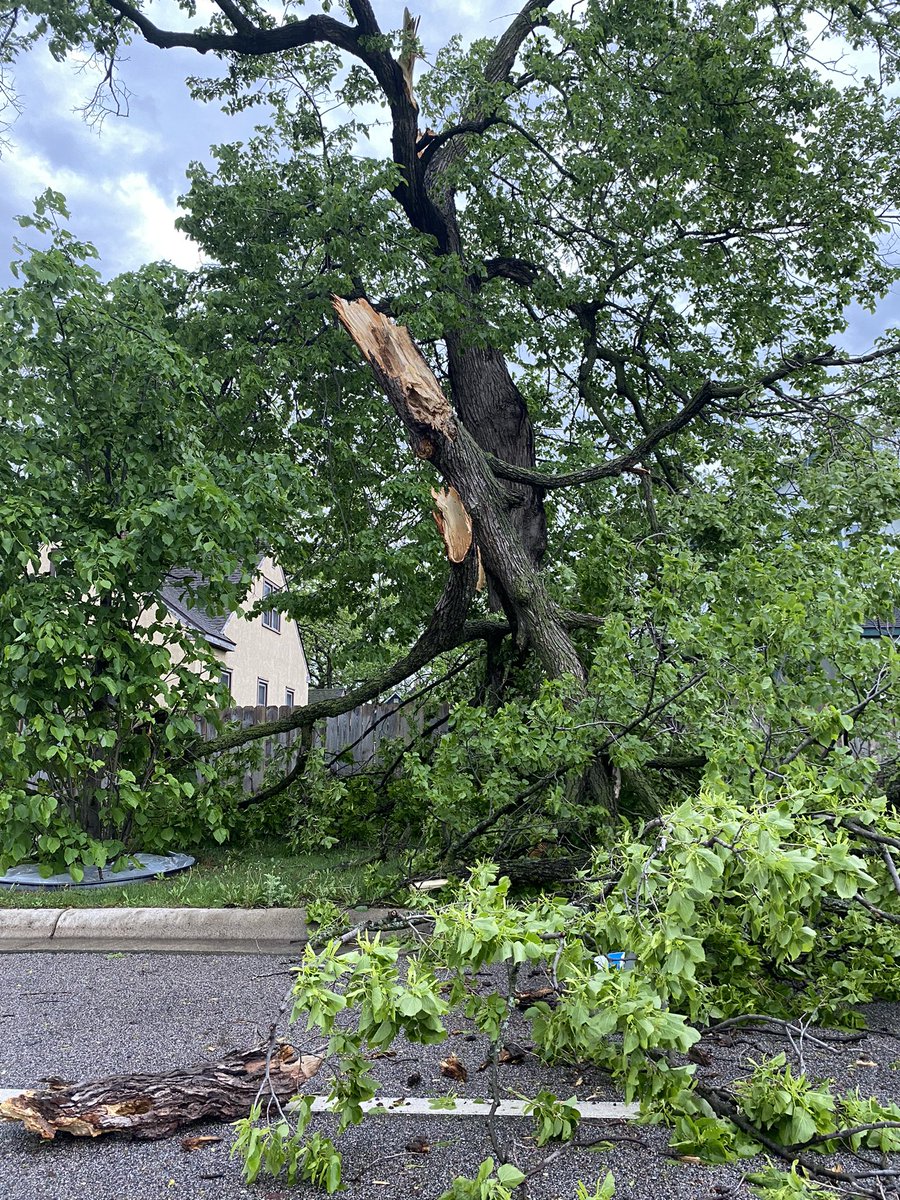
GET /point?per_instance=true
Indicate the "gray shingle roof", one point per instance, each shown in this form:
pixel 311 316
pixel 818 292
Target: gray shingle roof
pixel 175 595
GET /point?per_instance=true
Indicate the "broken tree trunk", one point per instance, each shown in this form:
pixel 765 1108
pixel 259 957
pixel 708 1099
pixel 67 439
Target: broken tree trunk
pixel 150 1107
pixel 438 435
pixel 510 558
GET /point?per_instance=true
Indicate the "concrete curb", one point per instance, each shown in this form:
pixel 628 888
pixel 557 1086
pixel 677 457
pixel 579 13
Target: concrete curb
pixel 173 930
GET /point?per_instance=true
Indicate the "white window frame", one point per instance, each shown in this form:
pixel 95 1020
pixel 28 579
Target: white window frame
pixel 225 678
pixel 262 686
pixel 289 697
pixel 272 618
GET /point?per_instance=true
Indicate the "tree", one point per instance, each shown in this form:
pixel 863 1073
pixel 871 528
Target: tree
pixel 623 246
pixel 601 278
pixel 114 472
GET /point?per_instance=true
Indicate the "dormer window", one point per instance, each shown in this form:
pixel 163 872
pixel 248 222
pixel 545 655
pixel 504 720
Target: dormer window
pixel 271 619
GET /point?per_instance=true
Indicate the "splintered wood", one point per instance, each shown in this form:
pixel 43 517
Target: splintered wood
pixel 391 352
pixel 155 1106
pixel 413 389
pixel 408 56
pixel 453 522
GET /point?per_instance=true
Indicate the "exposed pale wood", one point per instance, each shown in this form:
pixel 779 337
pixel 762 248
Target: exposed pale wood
pixel 408 58
pixel 454 524
pixel 150 1107
pixel 390 350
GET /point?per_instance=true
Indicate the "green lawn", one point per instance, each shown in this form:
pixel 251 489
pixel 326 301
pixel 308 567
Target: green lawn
pixel 259 876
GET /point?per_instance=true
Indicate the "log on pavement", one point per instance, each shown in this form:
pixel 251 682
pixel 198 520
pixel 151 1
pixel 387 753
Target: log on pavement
pixel 155 1106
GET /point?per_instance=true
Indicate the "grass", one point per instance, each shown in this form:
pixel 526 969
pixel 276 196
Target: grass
pixel 258 876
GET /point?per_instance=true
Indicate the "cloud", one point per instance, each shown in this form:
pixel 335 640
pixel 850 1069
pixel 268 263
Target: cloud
pixel 122 179
pixel 125 216
pixel 154 235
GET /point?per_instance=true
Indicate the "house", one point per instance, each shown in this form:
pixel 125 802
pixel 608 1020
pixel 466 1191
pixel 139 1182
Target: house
pixel 887 628
pixel 262 659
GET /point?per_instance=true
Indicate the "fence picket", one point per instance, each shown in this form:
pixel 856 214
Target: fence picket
pixel 358 734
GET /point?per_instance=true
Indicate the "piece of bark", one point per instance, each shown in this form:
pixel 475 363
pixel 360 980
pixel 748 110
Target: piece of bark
pixel 454 1068
pixel 198 1143
pixel 453 522
pixel 541 872
pixel 150 1107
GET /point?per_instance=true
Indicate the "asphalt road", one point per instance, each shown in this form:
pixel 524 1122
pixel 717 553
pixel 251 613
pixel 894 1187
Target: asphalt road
pixel 90 1015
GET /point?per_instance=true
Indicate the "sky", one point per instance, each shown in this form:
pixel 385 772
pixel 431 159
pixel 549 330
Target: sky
pixel 122 181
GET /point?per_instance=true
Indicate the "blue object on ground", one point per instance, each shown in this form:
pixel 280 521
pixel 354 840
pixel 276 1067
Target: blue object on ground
pixel 616 960
pixel 27 876
pixel 622 960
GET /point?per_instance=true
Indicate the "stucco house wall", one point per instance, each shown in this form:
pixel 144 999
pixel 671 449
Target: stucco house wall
pixel 263 653
pixel 250 649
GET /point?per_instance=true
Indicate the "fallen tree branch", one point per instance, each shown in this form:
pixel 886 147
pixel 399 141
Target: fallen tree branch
pixel 723 1105
pixel 291 776
pixel 150 1107
pixel 504 810
pixel 446 630
pixel 775 1025
pixel 879 913
pixel 843 1135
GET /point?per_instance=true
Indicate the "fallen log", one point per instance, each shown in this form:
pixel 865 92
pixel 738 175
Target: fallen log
pixel 150 1107
pixel 542 872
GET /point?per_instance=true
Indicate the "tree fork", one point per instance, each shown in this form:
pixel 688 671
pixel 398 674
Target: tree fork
pixel 437 434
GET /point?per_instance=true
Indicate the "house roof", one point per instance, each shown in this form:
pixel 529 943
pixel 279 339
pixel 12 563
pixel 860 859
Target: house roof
pixel 175 596
pixel 885 628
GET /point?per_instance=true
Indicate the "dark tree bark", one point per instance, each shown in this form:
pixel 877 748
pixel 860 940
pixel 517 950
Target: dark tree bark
pixel 493 410
pixel 542 872
pixel 437 434
pixel 150 1107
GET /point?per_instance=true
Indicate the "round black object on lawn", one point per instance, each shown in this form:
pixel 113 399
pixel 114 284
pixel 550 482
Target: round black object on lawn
pixel 27 876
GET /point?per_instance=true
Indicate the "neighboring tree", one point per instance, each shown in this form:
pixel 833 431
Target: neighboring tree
pixel 113 473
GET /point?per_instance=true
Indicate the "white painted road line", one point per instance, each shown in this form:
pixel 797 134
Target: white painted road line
pixel 425 1106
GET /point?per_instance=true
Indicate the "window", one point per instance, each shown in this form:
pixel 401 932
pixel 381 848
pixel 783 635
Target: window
pixel 225 680
pixel 262 691
pixel 289 697
pixel 272 619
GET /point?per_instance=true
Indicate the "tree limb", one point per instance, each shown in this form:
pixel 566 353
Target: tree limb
pixel 706 394
pixel 519 270
pixel 446 630
pixel 496 70
pixel 237 17
pixel 629 461
pixel 275 789
pixel 252 41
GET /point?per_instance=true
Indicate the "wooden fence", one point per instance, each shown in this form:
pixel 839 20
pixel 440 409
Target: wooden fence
pixel 352 742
